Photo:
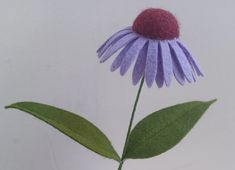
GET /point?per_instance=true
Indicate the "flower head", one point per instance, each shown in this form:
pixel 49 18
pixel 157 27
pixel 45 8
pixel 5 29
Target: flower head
pixel 153 44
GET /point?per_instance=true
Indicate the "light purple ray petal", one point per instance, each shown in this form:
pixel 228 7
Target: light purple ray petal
pixel 151 62
pixel 194 77
pixel 185 65
pixel 191 59
pixel 131 54
pixel 119 44
pixel 193 73
pixel 159 77
pixel 114 38
pixel 102 52
pixel 178 72
pixel 140 65
pixel 118 60
pixel 166 62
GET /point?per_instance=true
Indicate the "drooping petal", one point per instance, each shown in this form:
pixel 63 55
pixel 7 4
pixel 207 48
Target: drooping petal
pixel 178 72
pixel 118 60
pixel 119 44
pixel 194 77
pixel 191 59
pixel 193 73
pixel 185 65
pixel 112 41
pixel 140 65
pixel 151 62
pixel 131 54
pixel 160 76
pixel 114 38
pixel 166 62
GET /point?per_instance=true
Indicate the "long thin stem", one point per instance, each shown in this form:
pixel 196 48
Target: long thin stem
pixel 130 124
pixel 120 165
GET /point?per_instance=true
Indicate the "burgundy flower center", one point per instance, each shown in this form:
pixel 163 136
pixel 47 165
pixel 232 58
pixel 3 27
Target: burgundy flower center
pixel 156 24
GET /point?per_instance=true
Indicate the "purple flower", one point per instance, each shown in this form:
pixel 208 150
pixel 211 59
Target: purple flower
pixel 153 45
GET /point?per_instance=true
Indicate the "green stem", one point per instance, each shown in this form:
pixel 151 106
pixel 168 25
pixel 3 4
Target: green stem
pixel 120 165
pixel 130 125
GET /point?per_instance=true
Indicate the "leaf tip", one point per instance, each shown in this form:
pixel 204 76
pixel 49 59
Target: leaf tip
pixel 14 105
pixel 11 106
pixel 212 101
pixel 7 107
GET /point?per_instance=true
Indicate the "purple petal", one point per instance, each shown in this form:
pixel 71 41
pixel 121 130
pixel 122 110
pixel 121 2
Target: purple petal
pixel 118 60
pixel 119 44
pixel 151 62
pixel 160 76
pixel 115 34
pixel 131 54
pixel 114 38
pixel 194 77
pixel 185 65
pixel 191 59
pixel 166 62
pixel 140 65
pixel 193 74
pixel 112 41
pixel 178 72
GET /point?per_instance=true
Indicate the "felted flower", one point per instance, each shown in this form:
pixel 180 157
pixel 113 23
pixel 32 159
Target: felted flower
pixel 153 44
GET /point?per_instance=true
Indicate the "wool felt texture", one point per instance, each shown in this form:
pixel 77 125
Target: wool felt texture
pixel 131 54
pixel 191 59
pixel 113 39
pixel 118 60
pixel 167 63
pixel 151 63
pixel 116 46
pixel 184 63
pixel 140 65
pixel 156 59
pixel 159 77
pixel 177 70
pixel 156 24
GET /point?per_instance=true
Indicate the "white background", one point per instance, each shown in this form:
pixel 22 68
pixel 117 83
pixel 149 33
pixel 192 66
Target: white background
pixel 47 54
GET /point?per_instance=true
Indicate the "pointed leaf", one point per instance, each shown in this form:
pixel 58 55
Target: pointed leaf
pixel 72 125
pixel 163 129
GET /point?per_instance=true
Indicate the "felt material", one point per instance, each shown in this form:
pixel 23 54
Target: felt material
pixel 151 63
pixel 191 59
pixel 177 70
pixel 166 62
pixel 157 60
pixel 194 77
pixel 118 60
pixel 139 67
pixel 117 45
pixel 131 54
pixel 156 24
pixel 159 77
pixel 162 130
pixel 178 53
pixel 72 125
pixel 114 38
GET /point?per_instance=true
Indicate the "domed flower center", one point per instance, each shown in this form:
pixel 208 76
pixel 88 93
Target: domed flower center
pixel 156 24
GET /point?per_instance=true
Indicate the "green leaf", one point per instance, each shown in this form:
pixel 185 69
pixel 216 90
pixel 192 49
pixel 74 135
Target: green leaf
pixel 162 130
pixel 72 125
